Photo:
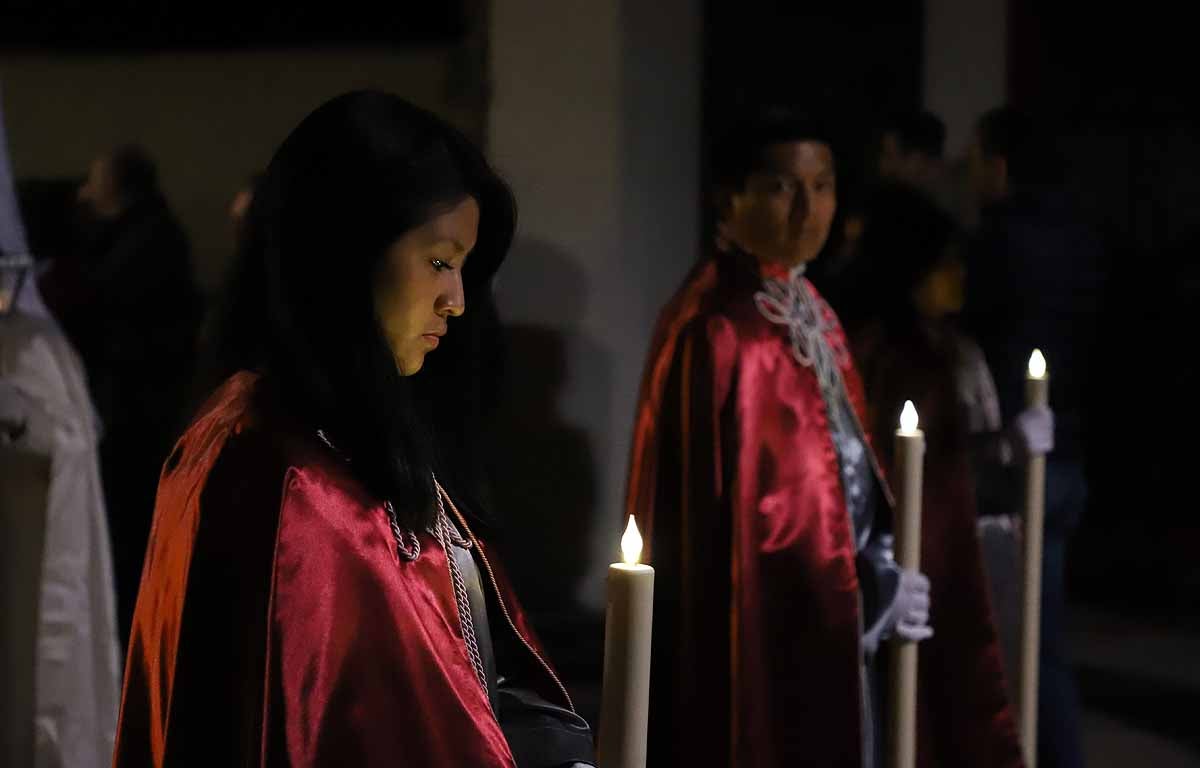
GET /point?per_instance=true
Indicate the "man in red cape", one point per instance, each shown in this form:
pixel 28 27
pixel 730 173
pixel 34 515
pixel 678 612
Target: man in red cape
pixel 760 497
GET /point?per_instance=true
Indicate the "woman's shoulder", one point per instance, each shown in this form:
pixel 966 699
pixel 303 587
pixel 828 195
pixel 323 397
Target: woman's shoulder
pixel 242 437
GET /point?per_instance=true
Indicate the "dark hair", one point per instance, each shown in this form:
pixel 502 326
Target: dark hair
pixel 740 152
pixel 1032 157
pixel 905 238
pixel 134 173
pixel 922 132
pixel 354 176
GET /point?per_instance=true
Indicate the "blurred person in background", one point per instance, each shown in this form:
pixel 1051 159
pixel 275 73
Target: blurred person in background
pixel 911 152
pixel 1034 281
pixel 131 307
pixel 913 349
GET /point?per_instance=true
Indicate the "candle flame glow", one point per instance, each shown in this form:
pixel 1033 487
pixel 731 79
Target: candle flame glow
pixel 1037 365
pixel 631 543
pixel 908 417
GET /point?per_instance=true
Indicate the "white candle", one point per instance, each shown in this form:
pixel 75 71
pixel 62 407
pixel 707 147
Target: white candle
pixel 1037 394
pixel 908 470
pixel 625 699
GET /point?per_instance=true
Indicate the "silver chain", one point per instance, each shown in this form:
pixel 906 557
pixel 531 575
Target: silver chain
pixel 446 536
pixel 413 550
pixel 794 303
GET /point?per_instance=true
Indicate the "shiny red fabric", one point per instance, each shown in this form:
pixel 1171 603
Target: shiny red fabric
pixel 963 712
pixel 735 482
pixel 276 624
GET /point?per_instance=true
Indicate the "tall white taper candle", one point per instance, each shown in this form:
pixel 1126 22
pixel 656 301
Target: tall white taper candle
pixel 909 469
pixel 1037 393
pixel 625 698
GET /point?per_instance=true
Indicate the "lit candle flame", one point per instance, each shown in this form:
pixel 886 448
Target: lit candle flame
pixel 631 543
pixel 1037 365
pixel 908 417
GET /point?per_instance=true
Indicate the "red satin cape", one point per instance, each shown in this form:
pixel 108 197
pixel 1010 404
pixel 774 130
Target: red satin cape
pixel 735 482
pixel 276 624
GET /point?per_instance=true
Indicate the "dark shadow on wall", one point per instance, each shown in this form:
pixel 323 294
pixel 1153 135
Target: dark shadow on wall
pixel 542 466
pixel 542 472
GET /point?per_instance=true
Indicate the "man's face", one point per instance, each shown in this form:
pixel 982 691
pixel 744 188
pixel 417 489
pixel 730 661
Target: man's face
pixel 784 210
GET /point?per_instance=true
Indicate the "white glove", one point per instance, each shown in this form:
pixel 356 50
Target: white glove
pixel 910 611
pixel 1034 428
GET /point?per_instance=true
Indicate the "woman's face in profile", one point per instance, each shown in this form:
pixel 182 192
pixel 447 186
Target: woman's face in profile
pixel 419 285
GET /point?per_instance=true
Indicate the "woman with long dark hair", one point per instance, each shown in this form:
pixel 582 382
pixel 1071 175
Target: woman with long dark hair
pixel 315 591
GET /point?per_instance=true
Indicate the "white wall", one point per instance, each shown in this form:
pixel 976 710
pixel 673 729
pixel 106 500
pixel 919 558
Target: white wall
pixel 595 121
pixel 210 119
pixel 965 73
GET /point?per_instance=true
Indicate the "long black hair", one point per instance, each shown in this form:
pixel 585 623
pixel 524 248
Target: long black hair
pixel 354 176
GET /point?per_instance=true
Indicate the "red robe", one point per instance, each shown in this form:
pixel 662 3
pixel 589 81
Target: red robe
pixel 962 702
pixel 276 624
pixel 735 482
